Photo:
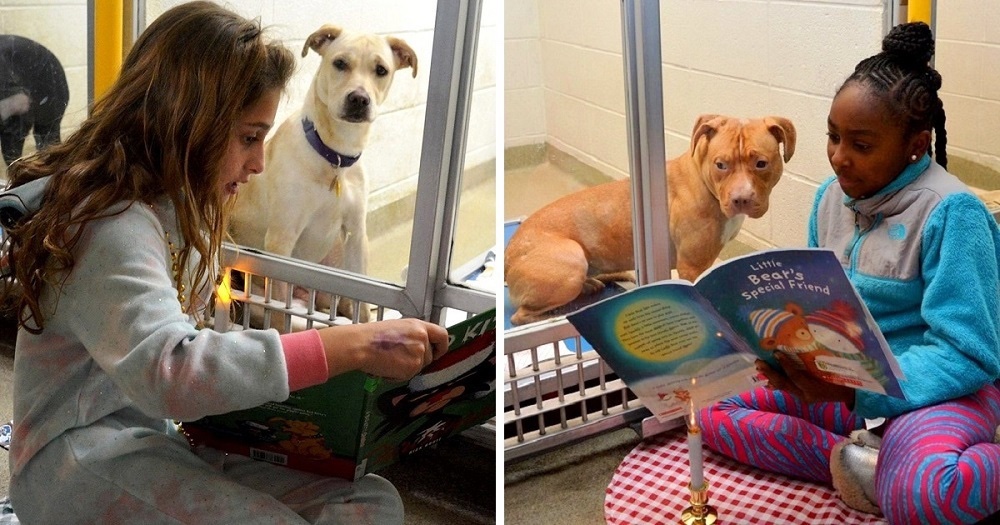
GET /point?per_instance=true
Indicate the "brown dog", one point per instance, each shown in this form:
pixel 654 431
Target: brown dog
pixel 583 240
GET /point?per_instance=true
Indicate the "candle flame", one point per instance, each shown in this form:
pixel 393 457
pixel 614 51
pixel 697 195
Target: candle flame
pixel 693 424
pixel 225 292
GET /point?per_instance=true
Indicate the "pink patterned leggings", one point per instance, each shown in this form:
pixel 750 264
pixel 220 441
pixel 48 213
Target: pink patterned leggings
pixel 937 464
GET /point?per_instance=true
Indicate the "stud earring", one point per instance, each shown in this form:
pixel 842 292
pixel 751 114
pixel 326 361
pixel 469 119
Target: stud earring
pixel 913 158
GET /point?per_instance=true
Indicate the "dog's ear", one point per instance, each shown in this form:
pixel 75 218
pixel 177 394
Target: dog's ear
pixel 703 119
pixel 405 56
pixel 320 38
pixel 784 131
pixel 706 127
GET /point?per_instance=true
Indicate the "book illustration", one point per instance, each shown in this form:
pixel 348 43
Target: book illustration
pixel 657 338
pixel 808 307
pixel 826 343
pixel 454 377
pixel 681 394
pixel 660 336
pixel 301 437
pixel 446 397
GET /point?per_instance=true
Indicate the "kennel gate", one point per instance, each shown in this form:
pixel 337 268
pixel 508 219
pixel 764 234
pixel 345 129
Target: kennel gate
pixel 555 391
pixel 431 291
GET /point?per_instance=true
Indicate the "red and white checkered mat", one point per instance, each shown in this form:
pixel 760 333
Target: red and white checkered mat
pixel 650 487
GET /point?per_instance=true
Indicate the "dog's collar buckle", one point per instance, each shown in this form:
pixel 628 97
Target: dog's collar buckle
pixel 336 159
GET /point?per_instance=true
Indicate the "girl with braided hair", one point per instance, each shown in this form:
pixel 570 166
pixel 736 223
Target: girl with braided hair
pixel 924 254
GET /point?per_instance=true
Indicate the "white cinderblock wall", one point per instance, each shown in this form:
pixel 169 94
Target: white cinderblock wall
pixel 563 79
pixel 740 57
pixel 968 58
pixel 524 105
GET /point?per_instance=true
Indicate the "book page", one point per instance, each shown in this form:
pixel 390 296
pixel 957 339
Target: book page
pixel 658 337
pixel 800 302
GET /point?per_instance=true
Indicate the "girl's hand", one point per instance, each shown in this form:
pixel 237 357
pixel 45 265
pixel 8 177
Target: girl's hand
pixel 802 384
pixel 396 349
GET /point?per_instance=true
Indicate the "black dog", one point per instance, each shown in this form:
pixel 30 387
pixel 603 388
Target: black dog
pixel 33 95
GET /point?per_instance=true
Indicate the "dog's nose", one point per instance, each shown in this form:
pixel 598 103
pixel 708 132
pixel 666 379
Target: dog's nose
pixel 358 98
pixel 742 204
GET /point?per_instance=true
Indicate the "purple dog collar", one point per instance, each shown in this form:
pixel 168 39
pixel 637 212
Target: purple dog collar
pixel 334 158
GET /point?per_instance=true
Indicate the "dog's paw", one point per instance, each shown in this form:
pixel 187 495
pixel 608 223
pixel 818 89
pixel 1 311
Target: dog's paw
pixel 346 308
pixel 592 286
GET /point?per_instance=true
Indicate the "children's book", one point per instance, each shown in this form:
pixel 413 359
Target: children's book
pixel 675 342
pixel 355 423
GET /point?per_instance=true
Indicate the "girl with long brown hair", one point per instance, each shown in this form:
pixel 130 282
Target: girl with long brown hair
pixel 110 278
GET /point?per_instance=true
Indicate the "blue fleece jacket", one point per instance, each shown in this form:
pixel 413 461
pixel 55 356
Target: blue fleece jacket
pixel 924 254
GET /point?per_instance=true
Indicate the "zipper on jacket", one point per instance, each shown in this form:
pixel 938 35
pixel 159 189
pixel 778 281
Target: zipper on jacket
pixel 854 247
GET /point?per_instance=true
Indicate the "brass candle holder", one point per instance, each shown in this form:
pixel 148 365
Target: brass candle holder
pixel 700 512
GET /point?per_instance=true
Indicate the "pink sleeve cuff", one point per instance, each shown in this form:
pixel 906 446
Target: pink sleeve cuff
pixel 305 359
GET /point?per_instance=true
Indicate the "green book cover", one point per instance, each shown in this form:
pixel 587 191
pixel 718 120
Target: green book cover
pixel 355 424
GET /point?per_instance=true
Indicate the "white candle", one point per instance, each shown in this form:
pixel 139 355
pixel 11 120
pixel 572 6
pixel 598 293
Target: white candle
pixel 223 298
pixel 694 445
pixel 694 452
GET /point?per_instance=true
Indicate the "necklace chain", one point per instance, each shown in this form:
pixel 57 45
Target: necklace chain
pixel 178 276
pixel 175 266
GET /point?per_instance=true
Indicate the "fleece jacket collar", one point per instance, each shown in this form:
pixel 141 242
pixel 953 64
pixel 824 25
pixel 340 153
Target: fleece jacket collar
pixel 884 202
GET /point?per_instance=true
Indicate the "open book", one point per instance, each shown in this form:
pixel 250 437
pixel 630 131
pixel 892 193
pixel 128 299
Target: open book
pixel 356 423
pixel 674 341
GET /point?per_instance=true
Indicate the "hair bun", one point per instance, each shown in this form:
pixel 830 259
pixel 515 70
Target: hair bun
pixel 911 42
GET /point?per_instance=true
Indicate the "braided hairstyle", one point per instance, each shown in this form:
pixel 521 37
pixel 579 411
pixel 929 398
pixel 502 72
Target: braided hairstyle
pixel 901 77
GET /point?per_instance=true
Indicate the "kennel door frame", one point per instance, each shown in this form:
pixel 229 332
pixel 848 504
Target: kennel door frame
pixel 644 121
pixel 573 382
pixel 442 159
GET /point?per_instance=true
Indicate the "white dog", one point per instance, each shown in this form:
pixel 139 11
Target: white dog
pixel 310 202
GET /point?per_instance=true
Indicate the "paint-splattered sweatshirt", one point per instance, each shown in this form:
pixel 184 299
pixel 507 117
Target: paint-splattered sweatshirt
pixel 116 345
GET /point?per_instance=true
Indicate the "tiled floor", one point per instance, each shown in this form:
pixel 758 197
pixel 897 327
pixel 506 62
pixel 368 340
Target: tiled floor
pixel 474 234
pixel 528 189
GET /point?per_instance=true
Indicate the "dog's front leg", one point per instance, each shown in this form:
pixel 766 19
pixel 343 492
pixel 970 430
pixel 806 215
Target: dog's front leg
pixel 356 259
pixel 696 252
pixel 279 242
pixel 354 255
